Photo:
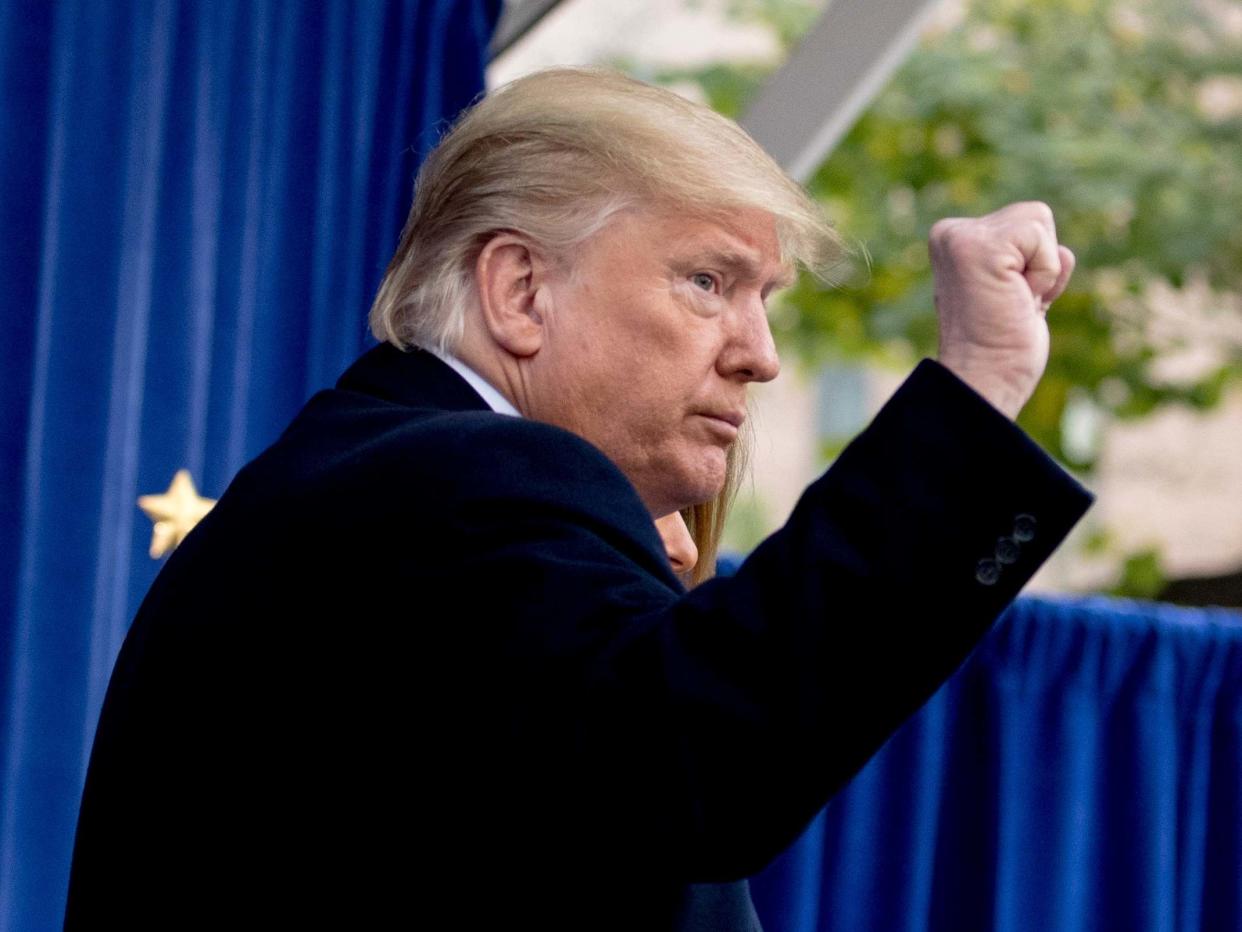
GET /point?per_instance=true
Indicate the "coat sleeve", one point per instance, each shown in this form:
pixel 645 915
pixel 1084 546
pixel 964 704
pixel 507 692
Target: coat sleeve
pixel 717 722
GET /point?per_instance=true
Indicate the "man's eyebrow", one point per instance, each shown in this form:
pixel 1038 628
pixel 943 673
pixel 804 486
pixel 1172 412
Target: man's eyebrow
pixel 745 263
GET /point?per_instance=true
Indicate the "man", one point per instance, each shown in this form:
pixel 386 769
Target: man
pixel 427 653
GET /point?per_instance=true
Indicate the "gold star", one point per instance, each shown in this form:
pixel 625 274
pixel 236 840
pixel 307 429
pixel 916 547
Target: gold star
pixel 175 513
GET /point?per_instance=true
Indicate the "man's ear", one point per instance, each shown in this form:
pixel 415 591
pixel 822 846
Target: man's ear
pixel 508 277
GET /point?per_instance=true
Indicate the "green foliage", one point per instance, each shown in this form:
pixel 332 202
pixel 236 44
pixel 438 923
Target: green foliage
pixel 1141 576
pixel 1090 105
pixel 1098 107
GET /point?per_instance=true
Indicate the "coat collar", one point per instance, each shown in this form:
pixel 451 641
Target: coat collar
pixel 415 378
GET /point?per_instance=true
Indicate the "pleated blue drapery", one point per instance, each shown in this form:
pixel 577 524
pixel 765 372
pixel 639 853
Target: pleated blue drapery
pixel 198 199
pixel 1083 771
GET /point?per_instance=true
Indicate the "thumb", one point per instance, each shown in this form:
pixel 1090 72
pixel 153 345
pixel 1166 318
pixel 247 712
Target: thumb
pixel 1044 267
pixel 1068 262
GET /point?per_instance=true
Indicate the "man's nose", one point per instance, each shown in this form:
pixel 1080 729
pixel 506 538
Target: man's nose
pixel 751 351
pixel 678 544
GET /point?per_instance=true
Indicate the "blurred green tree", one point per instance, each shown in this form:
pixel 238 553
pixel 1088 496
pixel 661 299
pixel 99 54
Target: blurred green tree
pixel 1124 115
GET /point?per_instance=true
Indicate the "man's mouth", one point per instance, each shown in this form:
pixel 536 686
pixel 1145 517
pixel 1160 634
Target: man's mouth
pixel 725 423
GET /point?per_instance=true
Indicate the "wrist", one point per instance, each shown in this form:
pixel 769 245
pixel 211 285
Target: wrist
pixel 994 388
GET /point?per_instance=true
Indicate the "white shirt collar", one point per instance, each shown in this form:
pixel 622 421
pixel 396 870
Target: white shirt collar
pixel 496 401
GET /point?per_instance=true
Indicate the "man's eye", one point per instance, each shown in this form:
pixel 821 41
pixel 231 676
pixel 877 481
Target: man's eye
pixel 704 281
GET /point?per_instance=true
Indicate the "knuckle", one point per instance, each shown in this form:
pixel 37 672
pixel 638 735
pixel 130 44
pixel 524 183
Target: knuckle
pixel 1040 211
pixel 951 233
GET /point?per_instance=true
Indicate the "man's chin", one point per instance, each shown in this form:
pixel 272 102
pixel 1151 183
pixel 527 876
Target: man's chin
pixel 694 483
pixel 705 487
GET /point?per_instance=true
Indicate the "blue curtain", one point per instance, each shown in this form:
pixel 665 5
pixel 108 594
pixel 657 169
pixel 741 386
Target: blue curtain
pixel 1083 771
pixel 198 199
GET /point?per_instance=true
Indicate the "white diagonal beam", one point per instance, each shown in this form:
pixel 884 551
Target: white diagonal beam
pixel 840 65
pixel 516 19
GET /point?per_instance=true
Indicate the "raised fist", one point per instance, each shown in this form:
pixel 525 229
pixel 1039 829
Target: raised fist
pixel 995 277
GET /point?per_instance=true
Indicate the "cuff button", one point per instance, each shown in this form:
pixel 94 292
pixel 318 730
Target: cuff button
pixel 1007 550
pixel 1024 528
pixel 988 572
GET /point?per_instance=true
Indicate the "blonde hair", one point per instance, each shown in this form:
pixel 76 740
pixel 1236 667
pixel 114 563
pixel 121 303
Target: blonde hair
pixel 706 521
pixel 553 156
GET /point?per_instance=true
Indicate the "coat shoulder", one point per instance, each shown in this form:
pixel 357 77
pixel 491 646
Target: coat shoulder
pixel 343 438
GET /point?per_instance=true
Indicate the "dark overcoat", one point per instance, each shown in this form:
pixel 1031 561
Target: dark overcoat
pixel 424 660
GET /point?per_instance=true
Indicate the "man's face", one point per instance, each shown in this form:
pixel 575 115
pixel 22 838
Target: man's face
pixel 652 341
